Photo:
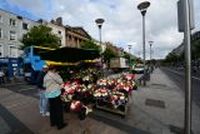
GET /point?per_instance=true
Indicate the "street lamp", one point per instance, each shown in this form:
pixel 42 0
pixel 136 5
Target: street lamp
pixel 99 22
pixel 143 9
pixel 150 51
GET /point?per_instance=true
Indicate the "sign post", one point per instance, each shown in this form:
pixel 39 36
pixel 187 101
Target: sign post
pixel 185 14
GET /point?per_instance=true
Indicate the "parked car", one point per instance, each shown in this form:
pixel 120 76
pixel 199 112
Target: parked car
pixel 139 69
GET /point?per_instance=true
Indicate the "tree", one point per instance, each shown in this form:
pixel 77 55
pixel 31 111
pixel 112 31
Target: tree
pixel 126 55
pixel 108 54
pixel 90 45
pixel 196 49
pixel 40 36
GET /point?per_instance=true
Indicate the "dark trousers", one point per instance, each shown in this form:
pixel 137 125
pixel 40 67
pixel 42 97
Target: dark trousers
pixel 2 80
pixel 56 111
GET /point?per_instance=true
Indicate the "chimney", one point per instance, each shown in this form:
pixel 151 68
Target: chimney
pixel 40 21
pixel 52 21
pixel 59 21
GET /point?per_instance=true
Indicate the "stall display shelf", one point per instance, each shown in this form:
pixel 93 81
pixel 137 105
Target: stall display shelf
pixel 112 110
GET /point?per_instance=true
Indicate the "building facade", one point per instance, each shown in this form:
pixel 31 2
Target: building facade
pixel 12 29
pixel 75 36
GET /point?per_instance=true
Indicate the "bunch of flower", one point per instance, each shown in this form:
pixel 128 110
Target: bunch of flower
pixel 78 107
pixel 118 98
pixel 102 82
pixel 101 92
pixel 87 75
pixel 129 77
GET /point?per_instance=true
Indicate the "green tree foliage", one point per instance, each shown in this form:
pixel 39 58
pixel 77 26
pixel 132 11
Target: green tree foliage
pixel 108 54
pixel 126 55
pixel 172 58
pixel 40 36
pixel 196 49
pixel 90 45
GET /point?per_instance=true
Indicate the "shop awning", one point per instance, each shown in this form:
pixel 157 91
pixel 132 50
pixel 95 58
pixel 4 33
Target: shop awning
pixel 68 54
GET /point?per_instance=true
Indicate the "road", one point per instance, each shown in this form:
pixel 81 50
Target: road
pixel 22 88
pixel 178 77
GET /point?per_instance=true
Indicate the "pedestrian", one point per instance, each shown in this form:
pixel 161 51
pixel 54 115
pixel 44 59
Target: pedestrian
pixel 53 83
pixel 2 75
pixel 43 102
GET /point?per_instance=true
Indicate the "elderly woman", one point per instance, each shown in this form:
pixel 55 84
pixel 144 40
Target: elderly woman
pixel 52 83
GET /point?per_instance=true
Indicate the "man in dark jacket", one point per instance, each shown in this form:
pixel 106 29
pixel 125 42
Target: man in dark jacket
pixel 43 102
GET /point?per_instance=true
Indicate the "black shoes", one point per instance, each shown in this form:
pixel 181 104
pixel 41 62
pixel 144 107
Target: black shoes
pixel 52 125
pixel 62 126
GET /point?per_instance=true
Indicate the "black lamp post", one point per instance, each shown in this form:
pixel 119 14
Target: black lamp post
pixel 99 23
pixel 150 51
pixel 143 9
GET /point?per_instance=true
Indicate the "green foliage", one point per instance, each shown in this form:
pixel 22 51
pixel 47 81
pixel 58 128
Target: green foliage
pixel 40 36
pixel 90 45
pixel 173 58
pixel 196 49
pixel 108 54
pixel 126 55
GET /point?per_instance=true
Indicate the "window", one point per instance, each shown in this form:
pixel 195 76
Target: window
pixel 25 26
pixel 1 19
pixel 13 51
pixel 60 42
pixel 1 51
pixel 1 33
pixel 12 22
pixel 59 32
pixel 12 35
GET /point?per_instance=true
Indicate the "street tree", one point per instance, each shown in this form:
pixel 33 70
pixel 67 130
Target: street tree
pixel 196 49
pixel 40 36
pixel 90 45
pixel 108 54
pixel 126 55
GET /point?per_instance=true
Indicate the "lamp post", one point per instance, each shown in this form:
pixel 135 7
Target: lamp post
pixel 99 22
pixel 150 51
pixel 143 9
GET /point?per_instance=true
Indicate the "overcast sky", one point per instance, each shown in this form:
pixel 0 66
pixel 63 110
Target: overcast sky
pixel 122 20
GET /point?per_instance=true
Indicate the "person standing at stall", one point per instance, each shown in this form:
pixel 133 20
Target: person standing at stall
pixel 2 75
pixel 53 83
pixel 43 102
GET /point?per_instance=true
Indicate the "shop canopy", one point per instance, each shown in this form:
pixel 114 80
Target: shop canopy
pixel 68 54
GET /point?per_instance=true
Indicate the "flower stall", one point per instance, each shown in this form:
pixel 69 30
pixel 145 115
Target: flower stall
pixel 110 94
pixel 113 94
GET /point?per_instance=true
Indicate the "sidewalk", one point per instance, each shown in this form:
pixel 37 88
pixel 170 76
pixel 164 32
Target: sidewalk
pixel 161 104
pixel 157 108
pixel 23 110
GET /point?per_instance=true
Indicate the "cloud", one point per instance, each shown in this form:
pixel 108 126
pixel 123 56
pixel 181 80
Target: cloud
pixel 123 21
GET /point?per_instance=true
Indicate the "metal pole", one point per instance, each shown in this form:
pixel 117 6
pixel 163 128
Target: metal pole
pixel 187 41
pixel 100 41
pixel 144 56
pixel 100 35
pixel 150 52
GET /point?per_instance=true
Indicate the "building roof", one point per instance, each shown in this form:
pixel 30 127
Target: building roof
pixel 17 15
pixel 78 30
